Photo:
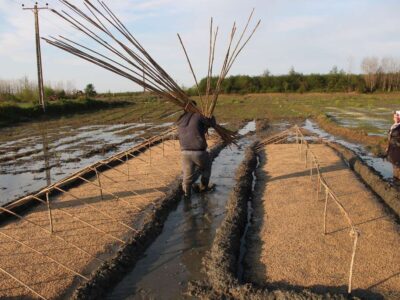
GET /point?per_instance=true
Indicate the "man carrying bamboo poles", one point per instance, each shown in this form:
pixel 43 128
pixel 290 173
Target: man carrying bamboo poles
pixel 192 129
pixel 393 149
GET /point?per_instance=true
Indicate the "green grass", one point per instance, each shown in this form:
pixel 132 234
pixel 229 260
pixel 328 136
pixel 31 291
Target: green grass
pixel 313 105
pixel 14 113
pixel 230 108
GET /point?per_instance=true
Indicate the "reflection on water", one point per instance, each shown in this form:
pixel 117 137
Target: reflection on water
pixel 375 122
pixel 382 166
pixel 45 155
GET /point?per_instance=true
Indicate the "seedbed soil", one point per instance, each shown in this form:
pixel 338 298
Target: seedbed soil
pixel 139 205
pixel 287 247
pixel 223 261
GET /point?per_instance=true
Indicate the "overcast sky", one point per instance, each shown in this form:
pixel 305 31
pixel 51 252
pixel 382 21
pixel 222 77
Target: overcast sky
pixel 310 35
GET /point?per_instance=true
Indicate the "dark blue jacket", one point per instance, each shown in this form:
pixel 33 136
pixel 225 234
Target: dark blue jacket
pixel 192 128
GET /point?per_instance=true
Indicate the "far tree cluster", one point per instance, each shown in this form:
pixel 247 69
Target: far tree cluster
pixel 378 75
pixel 25 90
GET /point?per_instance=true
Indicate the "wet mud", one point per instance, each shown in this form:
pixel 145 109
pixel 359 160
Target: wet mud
pixel 40 156
pixel 114 270
pixel 383 167
pixel 388 193
pixel 175 257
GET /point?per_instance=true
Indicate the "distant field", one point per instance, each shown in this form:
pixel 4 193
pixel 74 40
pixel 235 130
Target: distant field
pixel 354 107
pixel 361 117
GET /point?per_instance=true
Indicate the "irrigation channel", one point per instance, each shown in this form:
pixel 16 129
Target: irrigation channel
pixel 175 257
pixel 39 156
pixel 383 167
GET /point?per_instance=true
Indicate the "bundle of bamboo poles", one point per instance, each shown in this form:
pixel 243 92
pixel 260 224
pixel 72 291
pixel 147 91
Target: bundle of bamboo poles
pixel 121 53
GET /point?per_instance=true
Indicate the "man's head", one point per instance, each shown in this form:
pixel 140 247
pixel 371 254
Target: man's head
pixel 396 116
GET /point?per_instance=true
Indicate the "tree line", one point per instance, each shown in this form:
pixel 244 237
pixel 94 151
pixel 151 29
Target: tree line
pixel 378 75
pixel 24 90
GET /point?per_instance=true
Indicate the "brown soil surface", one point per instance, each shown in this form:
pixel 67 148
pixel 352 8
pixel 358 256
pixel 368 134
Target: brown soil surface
pixel 289 247
pixel 147 184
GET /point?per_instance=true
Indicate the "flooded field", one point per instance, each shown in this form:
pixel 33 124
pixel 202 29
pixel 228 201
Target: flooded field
pixel 382 166
pixel 374 122
pixel 39 155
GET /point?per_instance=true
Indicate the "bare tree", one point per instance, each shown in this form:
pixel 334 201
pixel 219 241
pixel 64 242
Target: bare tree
pixel 370 67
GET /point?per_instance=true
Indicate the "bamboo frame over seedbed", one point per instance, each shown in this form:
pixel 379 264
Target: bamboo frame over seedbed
pixel 121 53
pixel 140 148
pixel 311 162
pixel 62 186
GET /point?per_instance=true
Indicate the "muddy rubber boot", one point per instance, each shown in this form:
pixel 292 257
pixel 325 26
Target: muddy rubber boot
pixel 200 188
pixel 196 188
pixel 187 193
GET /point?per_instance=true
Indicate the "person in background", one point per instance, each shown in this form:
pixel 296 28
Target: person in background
pixel 393 148
pixel 192 129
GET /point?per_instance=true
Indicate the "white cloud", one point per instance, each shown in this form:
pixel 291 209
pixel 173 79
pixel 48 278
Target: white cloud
pixel 311 35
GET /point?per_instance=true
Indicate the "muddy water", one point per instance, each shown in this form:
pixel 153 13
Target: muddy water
pixel 376 122
pixel 383 167
pixel 37 157
pixel 175 256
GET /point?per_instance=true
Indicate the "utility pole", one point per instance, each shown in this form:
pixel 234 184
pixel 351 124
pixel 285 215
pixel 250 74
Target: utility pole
pixel 35 11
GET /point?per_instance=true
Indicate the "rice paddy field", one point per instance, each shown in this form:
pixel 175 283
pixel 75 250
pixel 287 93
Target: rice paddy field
pixel 180 237
pixel 36 153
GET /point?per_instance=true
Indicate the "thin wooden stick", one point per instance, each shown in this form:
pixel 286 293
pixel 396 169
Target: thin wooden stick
pixel 86 223
pixel 23 284
pixel 191 69
pixel 44 254
pixel 49 210
pixel 97 209
pixel 48 231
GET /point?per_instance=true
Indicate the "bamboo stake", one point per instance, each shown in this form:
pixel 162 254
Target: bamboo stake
pixel 49 210
pixel 325 209
pixel 356 234
pixel 99 182
pixel 127 165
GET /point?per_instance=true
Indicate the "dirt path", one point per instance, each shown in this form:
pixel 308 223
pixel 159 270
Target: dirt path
pixel 290 249
pixel 147 184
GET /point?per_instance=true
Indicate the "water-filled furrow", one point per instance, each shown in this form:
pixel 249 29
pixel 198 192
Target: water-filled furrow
pixel 383 167
pixel 175 257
